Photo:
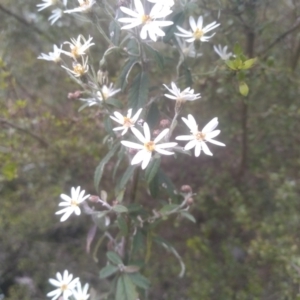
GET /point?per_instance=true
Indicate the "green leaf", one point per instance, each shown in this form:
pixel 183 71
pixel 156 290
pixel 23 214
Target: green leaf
pixel 237 50
pixel 114 29
pixel 138 93
pixel 123 78
pixel 167 184
pixel 126 177
pixel 188 76
pixel 152 169
pixel 108 271
pixel 178 19
pixel 121 155
pixel 156 55
pixel 99 170
pixel 138 242
pixel 188 216
pixel 153 115
pixel 126 289
pixel 114 258
pixel 120 209
pixel 108 125
pixel 248 63
pixel 167 208
pixel 114 102
pixel 140 281
pixel 231 64
pixel 122 224
pixel 243 87
pixel 154 186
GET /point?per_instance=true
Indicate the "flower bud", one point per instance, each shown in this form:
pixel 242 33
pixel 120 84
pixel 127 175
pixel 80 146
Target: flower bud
pixel 164 123
pixel 190 201
pixel 74 95
pixel 156 132
pixel 93 199
pixel 186 189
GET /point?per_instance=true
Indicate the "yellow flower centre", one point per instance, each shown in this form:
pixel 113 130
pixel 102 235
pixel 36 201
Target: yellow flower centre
pixel 64 287
pixel 198 34
pixel 127 122
pixel 74 203
pixel 79 69
pixel 149 146
pixel 199 136
pixel 146 19
pixel 74 52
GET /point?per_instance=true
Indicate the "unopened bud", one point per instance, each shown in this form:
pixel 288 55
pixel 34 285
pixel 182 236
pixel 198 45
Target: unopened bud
pixel 93 199
pixel 74 95
pixel 164 123
pixel 190 201
pixel 140 122
pixel 186 189
pixel 156 132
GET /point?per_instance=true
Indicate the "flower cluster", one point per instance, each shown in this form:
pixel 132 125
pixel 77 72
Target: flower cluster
pixel 66 287
pixel 57 12
pixel 148 21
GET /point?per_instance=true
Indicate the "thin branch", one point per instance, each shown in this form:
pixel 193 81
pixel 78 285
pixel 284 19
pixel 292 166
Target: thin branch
pixel 279 38
pixel 26 23
pixel 33 135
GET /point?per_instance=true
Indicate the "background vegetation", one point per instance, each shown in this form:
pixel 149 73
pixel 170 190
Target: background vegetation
pixel 245 243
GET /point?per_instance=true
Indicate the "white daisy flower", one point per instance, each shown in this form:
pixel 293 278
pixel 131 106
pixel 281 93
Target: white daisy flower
pixel 126 121
pixel 188 50
pixel 46 4
pixel 78 46
pixel 148 146
pixel 107 92
pixel 80 293
pixel 168 3
pixel 198 31
pixel 84 6
pixel 222 52
pixel 150 26
pixel 71 203
pixel 197 138
pixel 56 14
pixel 64 284
pixel 52 56
pixel 79 69
pixel 185 95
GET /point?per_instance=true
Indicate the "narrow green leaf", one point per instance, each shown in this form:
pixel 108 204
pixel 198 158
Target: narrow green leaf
pixel 99 170
pixel 244 89
pixel 178 19
pixel 114 30
pixel 188 216
pixel 122 224
pixel 138 93
pixel 156 55
pixel 138 243
pixel 126 289
pixel 114 102
pixel 154 186
pixel 108 125
pixel 152 169
pixel 153 115
pixel 126 177
pixel 120 209
pixel 114 258
pixel 167 208
pixel 108 271
pixel 140 281
pixel 121 155
pixel 167 184
pixel 123 78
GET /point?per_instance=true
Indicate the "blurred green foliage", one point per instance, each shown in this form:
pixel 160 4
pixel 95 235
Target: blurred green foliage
pixel 245 243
